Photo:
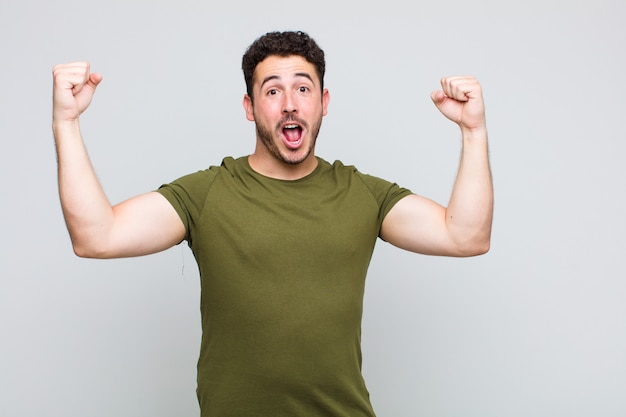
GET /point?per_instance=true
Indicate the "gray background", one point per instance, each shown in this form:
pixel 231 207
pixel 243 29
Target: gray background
pixel 537 327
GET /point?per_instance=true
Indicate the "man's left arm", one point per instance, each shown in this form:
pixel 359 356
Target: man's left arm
pixel 463 228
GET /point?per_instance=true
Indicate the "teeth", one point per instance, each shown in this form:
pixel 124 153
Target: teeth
pixel 291 126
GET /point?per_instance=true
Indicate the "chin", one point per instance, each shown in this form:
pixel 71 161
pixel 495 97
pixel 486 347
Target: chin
pixel 297 157
pixel 293 161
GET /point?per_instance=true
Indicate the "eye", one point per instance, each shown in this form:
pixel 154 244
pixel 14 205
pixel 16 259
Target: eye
pixel 272 92
pixel 303 89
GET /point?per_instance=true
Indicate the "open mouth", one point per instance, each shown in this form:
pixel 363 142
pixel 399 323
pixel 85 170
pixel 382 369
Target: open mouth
pixel 292 134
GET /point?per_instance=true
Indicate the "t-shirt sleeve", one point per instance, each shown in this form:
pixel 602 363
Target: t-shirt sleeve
pixel 386 193
pixel 187 195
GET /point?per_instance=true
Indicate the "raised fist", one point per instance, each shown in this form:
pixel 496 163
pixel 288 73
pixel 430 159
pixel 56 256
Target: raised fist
pixel 73 90
pixel 461 100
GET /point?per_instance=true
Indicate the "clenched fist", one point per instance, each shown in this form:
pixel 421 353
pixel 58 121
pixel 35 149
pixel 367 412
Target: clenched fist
pixel 461 101
pixel 73 90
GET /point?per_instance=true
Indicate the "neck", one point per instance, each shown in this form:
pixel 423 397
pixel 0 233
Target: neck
pixel 277 169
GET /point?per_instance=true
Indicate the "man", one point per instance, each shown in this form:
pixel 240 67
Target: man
pixel 282 238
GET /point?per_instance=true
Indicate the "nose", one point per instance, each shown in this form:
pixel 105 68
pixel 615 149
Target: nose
pixel 289 103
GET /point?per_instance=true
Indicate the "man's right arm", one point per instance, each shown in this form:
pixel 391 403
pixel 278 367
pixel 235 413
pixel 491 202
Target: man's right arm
pixel 139 226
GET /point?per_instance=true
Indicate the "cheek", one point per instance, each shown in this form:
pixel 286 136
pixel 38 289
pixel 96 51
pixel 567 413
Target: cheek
pixel 266 112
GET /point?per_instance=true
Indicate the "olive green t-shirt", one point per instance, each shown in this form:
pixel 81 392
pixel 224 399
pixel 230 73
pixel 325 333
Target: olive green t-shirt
pixel 282 267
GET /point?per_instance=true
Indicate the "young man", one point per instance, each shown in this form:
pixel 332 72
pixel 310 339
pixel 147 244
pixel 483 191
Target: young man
pixel 282 238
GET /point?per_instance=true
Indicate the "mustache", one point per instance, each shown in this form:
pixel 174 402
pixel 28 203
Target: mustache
pixel 290 118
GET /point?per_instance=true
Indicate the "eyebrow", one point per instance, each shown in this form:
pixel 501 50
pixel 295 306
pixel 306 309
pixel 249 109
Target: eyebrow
pixel 276 77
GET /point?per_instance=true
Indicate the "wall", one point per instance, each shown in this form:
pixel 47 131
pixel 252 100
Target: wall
pixel 534 328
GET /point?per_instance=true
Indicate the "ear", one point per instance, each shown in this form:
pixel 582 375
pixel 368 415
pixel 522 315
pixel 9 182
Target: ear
pixel 325 101
pixel 247 106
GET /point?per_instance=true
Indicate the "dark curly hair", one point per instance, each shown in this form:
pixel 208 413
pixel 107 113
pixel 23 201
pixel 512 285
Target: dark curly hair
pixel 282 44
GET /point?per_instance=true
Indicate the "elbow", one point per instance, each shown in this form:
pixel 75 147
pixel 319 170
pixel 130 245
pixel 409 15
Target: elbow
pixel 482 248
pixel 83 250
pixel 474 241
pixel 89 241
pixel 474 247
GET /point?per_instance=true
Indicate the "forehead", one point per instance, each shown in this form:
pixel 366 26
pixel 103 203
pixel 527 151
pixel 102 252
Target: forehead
pixel 284 68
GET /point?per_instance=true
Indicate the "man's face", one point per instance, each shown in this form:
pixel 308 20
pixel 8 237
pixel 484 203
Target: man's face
pixel 287 110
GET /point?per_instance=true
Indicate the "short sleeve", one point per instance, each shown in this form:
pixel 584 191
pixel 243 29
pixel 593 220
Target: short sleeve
pixel 386 193
pixel 188 194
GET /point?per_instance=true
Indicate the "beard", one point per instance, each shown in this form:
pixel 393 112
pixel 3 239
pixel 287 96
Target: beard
pixel 270 138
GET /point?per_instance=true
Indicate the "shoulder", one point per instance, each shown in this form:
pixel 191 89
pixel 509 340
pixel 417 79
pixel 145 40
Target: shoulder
pixel 385 192
pixel 228 165
pixel 373 182
pixel 337 167
pixel 196 184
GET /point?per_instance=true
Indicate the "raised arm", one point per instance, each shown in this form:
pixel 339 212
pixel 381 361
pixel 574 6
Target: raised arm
pixel 463 228
pixel 139 226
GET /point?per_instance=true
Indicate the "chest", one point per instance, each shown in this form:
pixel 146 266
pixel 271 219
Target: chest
pixel 290 222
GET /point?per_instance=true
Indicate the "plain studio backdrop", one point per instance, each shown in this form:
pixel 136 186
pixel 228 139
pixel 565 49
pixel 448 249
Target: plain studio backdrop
pixel 537 327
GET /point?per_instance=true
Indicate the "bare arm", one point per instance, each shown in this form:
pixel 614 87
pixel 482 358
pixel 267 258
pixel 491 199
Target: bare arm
pixel 464 227
pixel 139 226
